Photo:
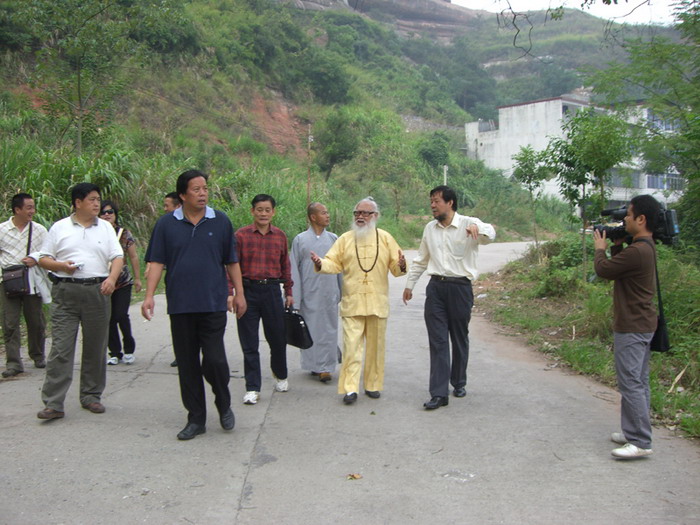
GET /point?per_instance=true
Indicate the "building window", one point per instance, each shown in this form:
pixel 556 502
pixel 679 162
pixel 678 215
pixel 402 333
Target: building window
pixel 661 124
pixel 665 182
pixel 625 179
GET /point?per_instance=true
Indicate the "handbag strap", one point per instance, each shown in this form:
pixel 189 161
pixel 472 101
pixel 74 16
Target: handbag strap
pixel 29 240
pixel 658 285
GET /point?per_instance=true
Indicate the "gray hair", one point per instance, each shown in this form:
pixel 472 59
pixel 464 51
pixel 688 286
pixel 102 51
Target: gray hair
pixel 372 202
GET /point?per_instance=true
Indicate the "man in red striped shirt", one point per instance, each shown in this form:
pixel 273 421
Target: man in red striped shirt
pixel 264 259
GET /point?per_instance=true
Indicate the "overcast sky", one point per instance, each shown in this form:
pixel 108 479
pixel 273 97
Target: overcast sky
pixel 650 11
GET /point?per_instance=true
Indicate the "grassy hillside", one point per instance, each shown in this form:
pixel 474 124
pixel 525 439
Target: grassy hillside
pixel 234 88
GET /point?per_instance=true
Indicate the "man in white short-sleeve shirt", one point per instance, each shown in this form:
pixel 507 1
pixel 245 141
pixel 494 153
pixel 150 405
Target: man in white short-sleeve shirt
pixel 78 252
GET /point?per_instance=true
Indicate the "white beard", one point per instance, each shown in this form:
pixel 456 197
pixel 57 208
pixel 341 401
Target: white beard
pixel 364 232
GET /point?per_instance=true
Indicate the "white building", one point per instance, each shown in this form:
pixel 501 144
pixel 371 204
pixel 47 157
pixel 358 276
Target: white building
pixel 534 124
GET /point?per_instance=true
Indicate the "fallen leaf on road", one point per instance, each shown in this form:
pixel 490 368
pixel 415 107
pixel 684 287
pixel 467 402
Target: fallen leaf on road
pixel 354 476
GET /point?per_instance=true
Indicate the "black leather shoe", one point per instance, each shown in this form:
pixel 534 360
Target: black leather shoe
pixel 460 392
pixel 374 394
pixel 436 402
pixel 228 420
pixel 174 363
pixel 349 399
pixel 191 431
pixel 11 372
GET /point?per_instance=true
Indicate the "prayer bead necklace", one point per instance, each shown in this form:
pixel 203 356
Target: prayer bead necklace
pixel 376 256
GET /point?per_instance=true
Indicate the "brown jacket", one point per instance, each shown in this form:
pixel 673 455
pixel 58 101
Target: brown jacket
pixel 633 270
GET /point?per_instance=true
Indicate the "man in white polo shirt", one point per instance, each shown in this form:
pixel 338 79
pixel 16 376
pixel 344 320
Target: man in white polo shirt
pixel 78 251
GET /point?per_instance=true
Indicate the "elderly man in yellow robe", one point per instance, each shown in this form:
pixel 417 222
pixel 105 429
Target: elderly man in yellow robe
pixel 364 255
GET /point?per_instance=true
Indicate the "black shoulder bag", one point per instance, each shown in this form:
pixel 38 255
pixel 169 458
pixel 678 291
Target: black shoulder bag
pixel 15 279
pixel 660 341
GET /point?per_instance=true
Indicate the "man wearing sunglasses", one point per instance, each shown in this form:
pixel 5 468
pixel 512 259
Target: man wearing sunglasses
pixel 365 255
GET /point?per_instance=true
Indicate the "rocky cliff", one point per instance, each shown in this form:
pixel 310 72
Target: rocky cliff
pixel 438 19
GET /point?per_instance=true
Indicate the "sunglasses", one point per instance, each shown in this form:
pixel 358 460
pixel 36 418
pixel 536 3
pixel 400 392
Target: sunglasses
pixel 107 212
pixel 363 213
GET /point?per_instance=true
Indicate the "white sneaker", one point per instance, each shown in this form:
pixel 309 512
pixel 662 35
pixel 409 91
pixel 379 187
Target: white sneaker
pixel 129 359
pixel 619 438
pixel 251 397
pixel 113 361
pixel 281 385
pixel 630 451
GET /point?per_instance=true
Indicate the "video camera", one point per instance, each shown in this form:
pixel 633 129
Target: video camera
pixel 666 230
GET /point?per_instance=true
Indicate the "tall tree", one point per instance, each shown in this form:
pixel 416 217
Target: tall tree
pixel 594 142
pixel 531 171
pixel 84 54
pixel 665 74
pixel 337 139
pixel 435 150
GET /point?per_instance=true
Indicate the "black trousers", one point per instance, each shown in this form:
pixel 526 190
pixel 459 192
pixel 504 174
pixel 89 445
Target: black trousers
pixel 121 300
pixel 264 302
pixel 194 333
pixel 448 308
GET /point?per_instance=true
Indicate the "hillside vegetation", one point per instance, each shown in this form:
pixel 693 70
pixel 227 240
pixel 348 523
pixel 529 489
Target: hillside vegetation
pixel 130 94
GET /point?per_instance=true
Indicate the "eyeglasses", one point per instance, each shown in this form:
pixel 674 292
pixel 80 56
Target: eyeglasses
pixel 107 212
pixel 363 213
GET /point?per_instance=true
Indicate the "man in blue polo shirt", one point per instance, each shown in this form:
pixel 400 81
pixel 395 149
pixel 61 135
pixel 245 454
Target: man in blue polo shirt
pixel 197 245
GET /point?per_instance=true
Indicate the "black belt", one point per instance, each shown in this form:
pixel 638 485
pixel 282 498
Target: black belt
pixel 262 281
pixel 74 280
pixel 460 280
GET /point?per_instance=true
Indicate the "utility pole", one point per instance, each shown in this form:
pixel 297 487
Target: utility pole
pixel 308 173
pixel 444 175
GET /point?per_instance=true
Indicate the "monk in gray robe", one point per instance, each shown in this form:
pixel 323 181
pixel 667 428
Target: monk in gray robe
pixel 317 295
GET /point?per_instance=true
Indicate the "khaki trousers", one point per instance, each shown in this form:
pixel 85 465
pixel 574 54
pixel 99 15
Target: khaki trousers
pixel 12 309
pixel 77 305
pixel 358 332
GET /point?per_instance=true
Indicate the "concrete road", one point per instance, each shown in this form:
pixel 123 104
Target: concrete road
pixel 529 445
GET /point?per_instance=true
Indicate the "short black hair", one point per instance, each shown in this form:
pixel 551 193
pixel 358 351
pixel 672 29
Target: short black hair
pixel 82 190
pixel 184 180
pixel 18 201
pixel 263 197
pixel 649 207
pixel 111 204
pixel 174 196
pixel 447 193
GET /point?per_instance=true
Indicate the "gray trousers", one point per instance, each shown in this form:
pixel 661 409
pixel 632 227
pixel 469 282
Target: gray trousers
pixel 632 355
pixel 12 308
pixel 77 305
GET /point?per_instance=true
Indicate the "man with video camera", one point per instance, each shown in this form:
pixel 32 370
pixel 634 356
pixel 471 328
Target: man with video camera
pixel 634 319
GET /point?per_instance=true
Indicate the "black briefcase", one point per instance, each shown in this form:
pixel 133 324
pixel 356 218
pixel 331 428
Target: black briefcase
pixel 297 330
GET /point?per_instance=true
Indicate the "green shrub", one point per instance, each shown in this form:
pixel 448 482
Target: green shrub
pixel 555 282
